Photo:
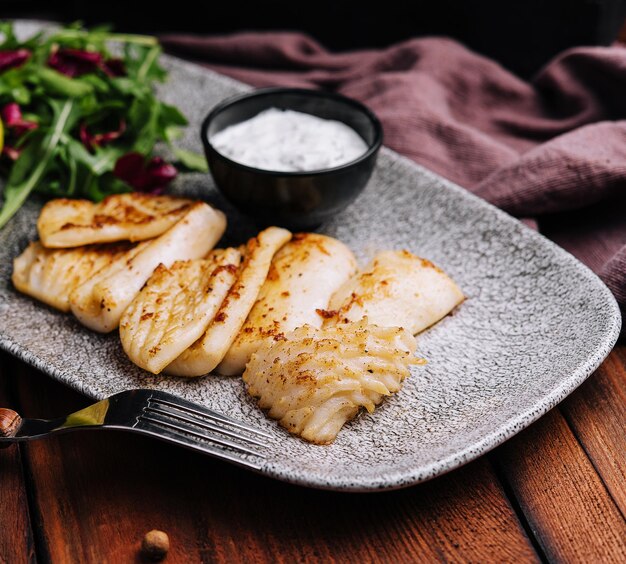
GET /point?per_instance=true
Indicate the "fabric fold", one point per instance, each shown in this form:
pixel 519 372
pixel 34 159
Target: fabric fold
pixel 552 149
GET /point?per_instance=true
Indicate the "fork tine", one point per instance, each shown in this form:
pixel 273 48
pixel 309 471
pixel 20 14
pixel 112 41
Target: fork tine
pixel 172 434
pixel 159 415
pixel 204 424
pixel 181 428
pixel 173 401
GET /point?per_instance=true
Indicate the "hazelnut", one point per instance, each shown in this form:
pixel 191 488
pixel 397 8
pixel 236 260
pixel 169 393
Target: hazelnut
pixel 10 422
pixel 155 545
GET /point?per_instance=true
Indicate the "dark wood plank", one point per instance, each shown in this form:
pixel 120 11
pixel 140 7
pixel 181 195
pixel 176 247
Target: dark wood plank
pixel 98 494
pixel 565 502
pixel 597 414
pixel 16 541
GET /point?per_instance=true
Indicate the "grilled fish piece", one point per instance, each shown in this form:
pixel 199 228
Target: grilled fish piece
pixel 66 223
pixel 303 276
pixel 396 289
pixel 315 380
pixel 208 351
pixel 100 301
pixel 175 307
pixel 50 275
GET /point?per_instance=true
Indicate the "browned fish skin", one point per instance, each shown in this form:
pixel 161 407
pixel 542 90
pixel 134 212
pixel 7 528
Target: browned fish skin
pixel 396 289
pixel 208 351
pixel 303 276
pixel 175 307
pixel 50 275
pixel 67 223
pixel 315 380
pixel 100 302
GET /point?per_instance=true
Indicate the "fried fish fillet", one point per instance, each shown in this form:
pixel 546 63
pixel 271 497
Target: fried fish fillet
pixel 315 380
pixel 100 301
pixel 50 275
pixel 134 217
pixel 206 353
pixel 396 289
pixel 303 276
pixel 175 307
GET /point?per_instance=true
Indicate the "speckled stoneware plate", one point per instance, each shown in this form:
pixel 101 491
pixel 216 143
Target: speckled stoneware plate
pixel 536 323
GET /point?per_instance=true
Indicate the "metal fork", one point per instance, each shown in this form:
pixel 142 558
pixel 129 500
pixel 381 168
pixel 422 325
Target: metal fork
pixel 154 413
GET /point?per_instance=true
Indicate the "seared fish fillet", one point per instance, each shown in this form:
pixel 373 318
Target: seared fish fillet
pixel 101 300
pixel 50 275
pixel 206 353
pixel 396 289
pixel 175 307
pixel 133 217
pixel 303 276
pixel 315 380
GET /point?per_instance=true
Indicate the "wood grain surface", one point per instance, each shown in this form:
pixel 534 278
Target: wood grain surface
pixel 110 488
pixel 597 417
pixel 555 492
pixel 16 540
pixel 565 501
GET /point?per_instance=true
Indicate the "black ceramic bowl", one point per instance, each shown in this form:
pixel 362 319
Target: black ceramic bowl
pixel 298 200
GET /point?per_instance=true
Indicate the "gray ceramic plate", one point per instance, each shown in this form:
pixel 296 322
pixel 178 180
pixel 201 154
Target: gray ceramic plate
pixel 535 325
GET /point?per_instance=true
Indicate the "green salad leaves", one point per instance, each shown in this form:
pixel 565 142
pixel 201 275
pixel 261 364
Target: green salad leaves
pixel 79 120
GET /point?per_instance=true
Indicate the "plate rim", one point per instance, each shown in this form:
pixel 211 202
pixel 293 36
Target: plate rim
pixel 499 435
pixel 512 426
pixel 402 478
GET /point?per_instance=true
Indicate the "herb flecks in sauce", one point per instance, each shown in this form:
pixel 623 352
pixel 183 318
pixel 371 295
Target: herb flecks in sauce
pixel 289 141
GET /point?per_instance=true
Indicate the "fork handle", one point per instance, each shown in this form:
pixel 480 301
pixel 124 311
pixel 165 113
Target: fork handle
pixel 10 422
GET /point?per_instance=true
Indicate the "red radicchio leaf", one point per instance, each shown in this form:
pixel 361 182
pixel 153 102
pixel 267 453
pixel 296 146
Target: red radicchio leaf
pixel 85 137
pixel 12 59
pixel 74 62
pixel 11 114
pixel 15 126
pixel 113 67
pixel 13 121
pixel 129 166
pixel 93 140
pixel 151 177
pixel 11 152
pixel 161 173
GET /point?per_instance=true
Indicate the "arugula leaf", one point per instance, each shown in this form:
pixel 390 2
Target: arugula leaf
pixel 9 41
pixel 62 85
pixel 97 164
pixel 35 160
pixel 89 106
pixel 170 122
pixel 142 63
pixel 193 162
pixel 143 119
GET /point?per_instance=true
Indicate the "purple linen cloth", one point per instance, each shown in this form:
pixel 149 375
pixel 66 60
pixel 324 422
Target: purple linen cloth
pixel 553 149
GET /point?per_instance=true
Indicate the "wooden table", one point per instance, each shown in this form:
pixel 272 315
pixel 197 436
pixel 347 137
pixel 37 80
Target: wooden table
pixel 555 492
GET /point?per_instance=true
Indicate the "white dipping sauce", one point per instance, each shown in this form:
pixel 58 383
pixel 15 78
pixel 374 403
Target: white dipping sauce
pixel 289 141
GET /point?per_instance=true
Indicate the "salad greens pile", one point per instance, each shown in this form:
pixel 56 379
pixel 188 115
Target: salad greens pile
pixel 80 121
